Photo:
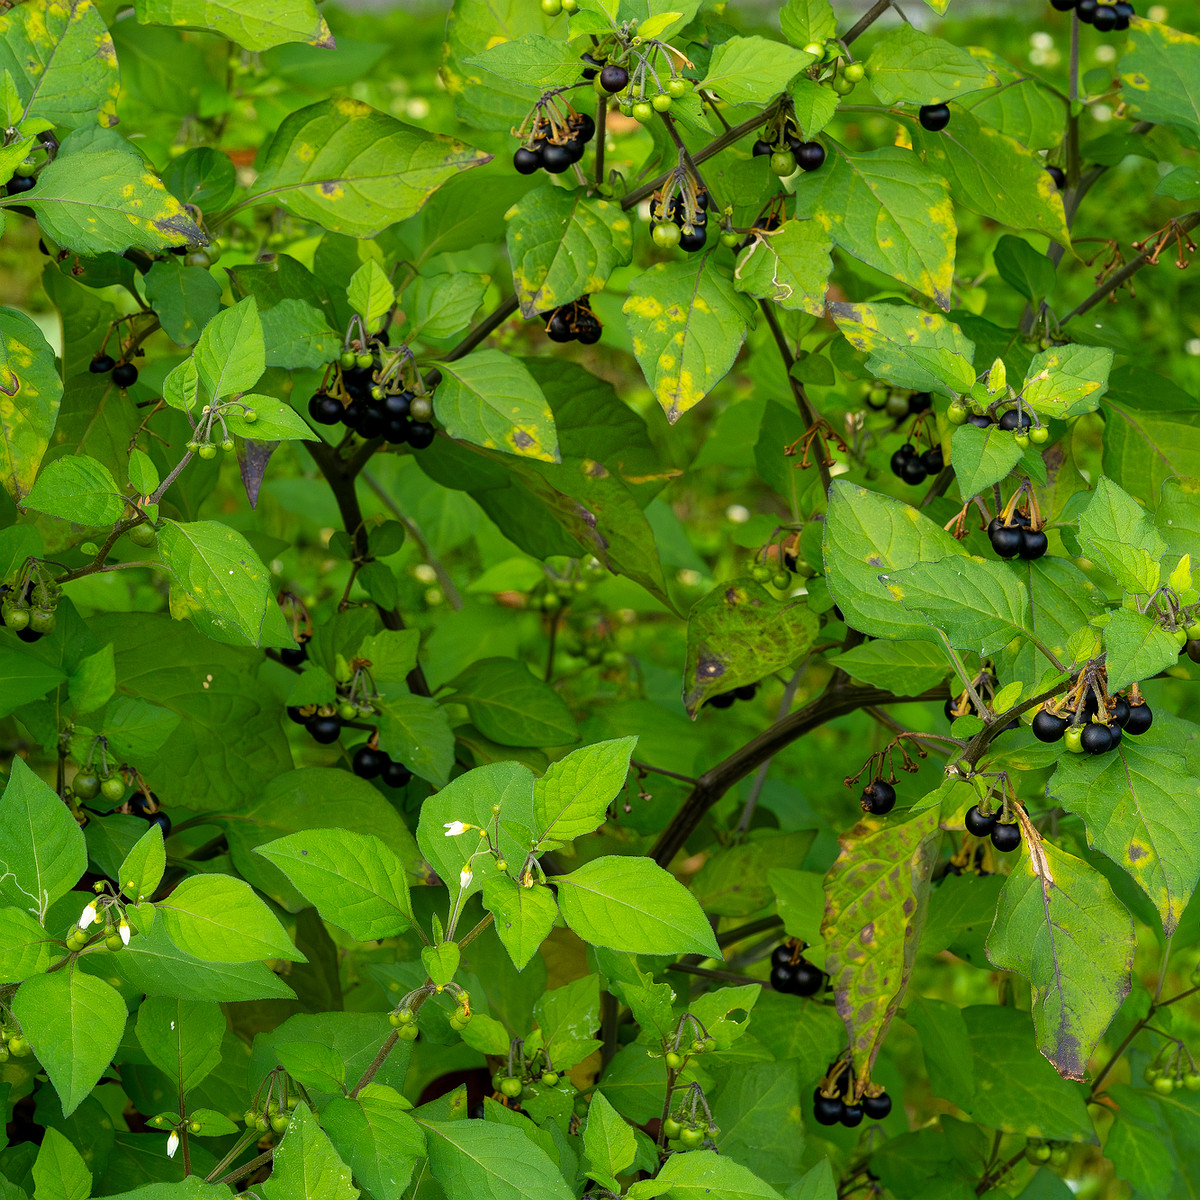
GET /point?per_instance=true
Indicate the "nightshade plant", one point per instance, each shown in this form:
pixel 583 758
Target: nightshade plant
pixel 392 468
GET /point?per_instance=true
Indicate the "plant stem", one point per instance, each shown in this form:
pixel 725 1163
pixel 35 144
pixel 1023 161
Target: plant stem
pixel 247 1168
pixel 980 707
pixel 711 973
pixel 474 933
pixel 866 20
pixel 601 123
pixel 641 766
pixel 389 1043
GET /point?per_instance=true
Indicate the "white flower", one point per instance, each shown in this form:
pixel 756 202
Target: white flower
pixel 454 828
pixel 123 930
pixel 87 916
pixel 172 1144
pixel 464 877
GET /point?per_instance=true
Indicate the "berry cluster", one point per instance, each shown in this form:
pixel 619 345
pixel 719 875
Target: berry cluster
pixel 915 467
pixel 372 409
pixel 124 374
pixel 793 974
pixel 109 783
pixel 726 699
pixel 896 404
pixel 1026 429
pixel 29 611
pixel 554 142
pixel 834 1101
pixel 1107 18
pixel 1173 1067
pixel 833 67
pixel 370 762
pixel 148 806
pixel 878 798
pixel 574 322
pixel 989 823
pixel 1014 536
pixel 679 216
pixel 788 149
pixel 635 101
pixel 1090 721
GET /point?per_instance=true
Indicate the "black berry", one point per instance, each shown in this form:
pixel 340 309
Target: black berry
pixel 877 1107
pixel 296 715
pixel 1119 711
pixel 1014 419
pixel 1006 837
pixel 781 956
pixel 21 183
pixel 978 823
pixel 1033 544
pixel 762 148
pixel 1124 11
pixel 1062 5
pixel 293 656
pixel 101 364
pixel 420 435
pixel 162 821
pixel 810 156
pixel 1048 727
pixel 807 980
pixel 1005 541
pixel 979 420
pixel 1140 719
pixel 852 1115
pixel 395 774
pixel 527 161
pixel 781 977
pixel 919 402
pixel 721 700
pixel 556 159
pixel 694 240
pixel 879 797
pixel 325 409
pixel 1086 10
pixel 323 729
pixel 933 460
pixel 125 374
pixel 613 78
pixel 368 763
pixel 746 692
pixel 827 1110
pixel 1058 175
pixel 934 117
pixel 1105 19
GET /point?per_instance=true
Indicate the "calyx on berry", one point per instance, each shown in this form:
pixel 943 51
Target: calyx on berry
pixel 576 321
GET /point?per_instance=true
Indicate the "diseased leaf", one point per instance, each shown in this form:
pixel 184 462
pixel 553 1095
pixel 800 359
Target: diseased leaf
pixel 789 267
pixel 1066 381
pixel 30 392
pixel 1159 81
pixel 908 65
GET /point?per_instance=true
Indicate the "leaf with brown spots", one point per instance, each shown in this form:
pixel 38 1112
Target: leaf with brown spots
pixel 876 896
pixel 740 633
pixel 1060 926
pixel 30 393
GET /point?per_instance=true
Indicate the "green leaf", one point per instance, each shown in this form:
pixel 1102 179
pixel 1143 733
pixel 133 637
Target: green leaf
pixel 74 1023
pixel 510 705
pixel 608 1141
pixel 1067 381
pixel 59 1173
pixel 230 355
pixel 1060 926
pixel 273 419
pixel 26 678
pixel 1118 534
pixel 866 533
pixel 734 882
pixel 1023 268
pixel 533 61
pixel 918 68
pixel 182 1038
pixel 297 335
pixel 354 880
pixel 804 21
pixel 687 323
pixel 143 868
pixel 96 200
pixel 202 176
pixel 93 681
pixel 42 852
pixel 29 376
pixel 220 919
pixel 217 580
pixel 490 399
pixel 523 916
pixel 888 209
pixel 789 267
pixel 704 1173
pixel 442 305
pixel 370 294
pixel 1148 448
pixel 563 245
pixel 897 666
pixel 1159 80
pixel 815 106
pixel 252 24
pixel 982 457
pixel 415 730
pixel 62 62
pixel 1137 648
pixel 306 1166
pixel 489 1161
pixel 185 299
pixel 24 946
pixel 978 604
pixel 739 633
pixel 572 798
pixel 376 1138
pixel 760 1122
pixel 567 1018
pixel 747 70
pixel 1182 183
pixel 633 904
pixel 77 489
pixel 1153 1140
pixel 1137 807
pixel 876 897
pixel 994 175
pixel 909 347
pixel 354 170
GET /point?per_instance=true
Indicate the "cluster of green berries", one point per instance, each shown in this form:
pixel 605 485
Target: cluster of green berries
pixel 833 68
pixel 1049 1154
pixel 273 1116
pixel 634 100
pixel 788 150
pixel 89 783
pixel 1165 1079
pixel 554 8
pixel 13 1043
pixel 29 611
pixel 688 1131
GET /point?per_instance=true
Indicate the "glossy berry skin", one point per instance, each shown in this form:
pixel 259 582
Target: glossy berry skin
pixel 1047 727
pixel 934 117
pixel 421 435
pixel 781 956
pixel 1006 838
pixel 323 729
pixel 933 460
pixel 102 364
pixel 1119 711
pixel 901 459
pixel 395 774
pixel 556 159
pixel 293 656
pixel 613 78
pixel 978 823
pixel 1105 20
pixel 86 785
pixel 979 420
pixel 810 156
pixel 1062 5
pixel 1014 419
pixel 694 240
pixel 325 409
pixel 877 1107
pixel 852 1115
pixel 162 821
pixel 827 1110
pixel 1096 739
pixel 1058 175
pixel 1005 541
pixel 1033 544
pixel 879 797
pixel 1124 11
pixel 807 980
pixel 781 977
pixel 1140 719
pixel 368 763
pixel 1086 10
pixel 762 148
pixel 125 375
pixel 526 160
pixel 914 471
pixel 295 714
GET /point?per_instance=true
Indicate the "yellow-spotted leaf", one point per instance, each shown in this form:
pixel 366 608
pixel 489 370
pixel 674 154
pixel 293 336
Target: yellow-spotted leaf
pixel 252 24
pixel 62 60
pixel 687 322
pixel 96 200
pixel 888 209
pixel 355 170
pixel 30 392
pixel 1067 381
pixel 789 266
pixel 908 65
pixel 1160 76
pixel 563 245
pixel 491 400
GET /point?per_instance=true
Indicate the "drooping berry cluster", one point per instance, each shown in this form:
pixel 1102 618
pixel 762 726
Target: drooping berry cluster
pixel 1025 426
pixel 29 608
pixel 574 322
pixel 913 466
pixel 787 149
pixel 898 404
pixel 636 98
pixel 678 214
pixel 1014 536
pixel 372 409
pixel 793 974
pixel 124 374
pixel 989 823
pixel 726 699
pixel 1107 18
pixel 370 762
pixel 1090 721
pixel 835 1102
pixel 554 141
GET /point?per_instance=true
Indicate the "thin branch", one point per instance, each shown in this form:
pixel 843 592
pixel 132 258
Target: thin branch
pixel 710 973
pixel 866 20
pixel 388 1045
pixel 642 766
pixel 475 336
pixel 247 1168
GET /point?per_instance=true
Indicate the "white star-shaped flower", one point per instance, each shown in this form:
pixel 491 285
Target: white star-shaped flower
pixel 454 828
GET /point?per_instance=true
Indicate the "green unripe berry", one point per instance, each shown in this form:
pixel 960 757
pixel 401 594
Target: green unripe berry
pixel 1151 1073
pixel 570 6
pixel 671 1129
pixel 86 785
pixel 842 85
pixel 3 1053
pixel 1022 440
pixel 692 1136
pixel 580 1107
pixel 408 1033
pixel 347 359
pixel 113 788
pixel 364 359
pixel 674 1061
pixel 783 163
pixel 16 619
pixel 781 580
pixel 643 111
pixel 1193 631
pixel 249 416
pixel 459 1019
pixel 552 7
pixel 1164 1085
pixel 227 445
pixel 854 72
pixel 678 87
pixel 730 239
pixel 421 408
pixel 1180 636
pixel 280 1123
pixel 550 1078
pixel 261 1123
pixel 956 414
pixel 1191 1081
pixel 113 942
pixel 42 620
pixel 816 49
pixel 143 535
pixel 511 1087
pixel 761 573
pixel 1073 738
pixel 1039 435
pixel 661 102
pixel 666 235
pixel 1059 1156
pixel 208 450
pixel 896 406
pixel 347 711
pixel 18 1047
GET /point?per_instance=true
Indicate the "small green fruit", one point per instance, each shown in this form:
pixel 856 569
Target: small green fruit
pixel 816 49
pixel 249 1117
pixel 854 71
pixel 1193 631
pixel 421 408
pixel 511 1087
pixel 896 406
pixel 730 239
pixel 674 1061
pixel 18 1047
pixel 280 1123
pixel 1164 1085
pixel 249 416
pixel 956 414
pixel 16 619
pixel 1073 738
pixel 113 942
pixel 671 1129
pixel 1151 1073
pixel 41 620
pixel 1191 1081
pixel 552 7
pixel 408 1033
pixel 661 102
pixel 783 163
pixel 678 87
pixel 692 1136
pixel 666 235
pixel 1059 1156
pixel 643 111
pixel 781 580
pixel 347 359
pixel 1022 440
pixel 113 788
pixel 1039 435
pixel 86 785
pixel 1180 636
pixel 842 85
pixel 347 711
pixel 761 573
pixel 143 535
pixel 550 1078
pixel 227 445
pixel 208 450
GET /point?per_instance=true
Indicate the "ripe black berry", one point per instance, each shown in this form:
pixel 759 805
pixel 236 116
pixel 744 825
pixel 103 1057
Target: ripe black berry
pixel 421 434
pixel 293 656
pixel 526 161
pixel 397 430
pixel 1062 5
pixel 556 159
pixel 810 156
pixel 902 457
pixel 368 763
pixel 878 798
pixel 852 1115
pixel 919 402
pixel 295 714
pixel 1105 19
pixel 781 956
pixel 1006 541
pixel 978 823
pixel 325 409
pixel 373 421
pixel 323 729
pixel 613 78
pixel 1014 419
pixel 721 700
pixel 933 460
pixel 914 471
pixel 125 374
pixel 979 420
pixel 101 364
pixel 807 980
pixel 1006 837
pixel 1033 544
pixel 694 240
pixel 140 804
pixel 746 692
pixel 395 774
pixel 827 1110
pixel 558 328
pixel 1048 727
pixel 934 117
pixel 762 148
pixel 1119 711
pixel 1124 11
pixel 584 126
pixel 592 69
pixel 162 821
pixel 1086 10
pixel 1140 719
pixel 1058 175
pixel 877 1107
pixel 781 977
pixel 21 183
